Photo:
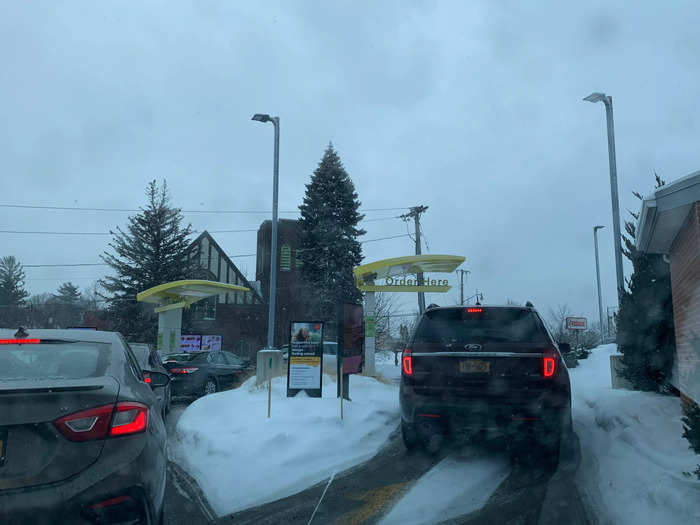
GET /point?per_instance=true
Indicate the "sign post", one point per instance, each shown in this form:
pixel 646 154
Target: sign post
pixel 577 324
pixel 269 388
pixel 305 363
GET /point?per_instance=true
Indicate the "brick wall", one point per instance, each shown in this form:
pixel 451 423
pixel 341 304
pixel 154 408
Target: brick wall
pixel 290 299
pixel 685 285
pixel 243 328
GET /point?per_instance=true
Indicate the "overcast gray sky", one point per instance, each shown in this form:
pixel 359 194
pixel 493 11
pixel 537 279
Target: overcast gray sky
pixel 471 108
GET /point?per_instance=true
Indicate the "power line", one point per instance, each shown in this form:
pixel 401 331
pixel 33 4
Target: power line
pixel 73 265
pixel 62 265
pixel 385 238
pixel 108 233
pixel 135 210
pixel 380 219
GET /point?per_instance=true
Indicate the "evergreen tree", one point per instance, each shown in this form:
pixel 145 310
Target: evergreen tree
pixel 67 293
pixel 329 233
pixel 645 328
pixel 153 250
pixel 67 305
pixel 12 291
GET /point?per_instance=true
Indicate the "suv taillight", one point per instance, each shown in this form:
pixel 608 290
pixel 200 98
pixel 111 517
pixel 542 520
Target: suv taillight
pixel 549 363
pixel 407 362
pixel 106 421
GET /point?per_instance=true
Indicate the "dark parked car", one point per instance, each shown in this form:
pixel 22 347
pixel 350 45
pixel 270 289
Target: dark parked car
pixel 150 361
pixel 202 373
pixel 81 437
pixel 484 370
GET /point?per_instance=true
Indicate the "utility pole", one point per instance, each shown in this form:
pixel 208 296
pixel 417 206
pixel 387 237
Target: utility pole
pixel 461 285
pixel 415 214
pixel 597 275
pixel 612 162
pixel 260 117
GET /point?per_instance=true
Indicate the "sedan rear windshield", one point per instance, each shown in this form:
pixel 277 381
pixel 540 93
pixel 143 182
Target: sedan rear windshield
pixel 142 354
pixel 457 327
pixel 54 360
pixel 195 356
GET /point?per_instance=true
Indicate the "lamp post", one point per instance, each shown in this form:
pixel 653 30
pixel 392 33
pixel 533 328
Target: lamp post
pixel 602 97
pixel 597 274
pixel 273 256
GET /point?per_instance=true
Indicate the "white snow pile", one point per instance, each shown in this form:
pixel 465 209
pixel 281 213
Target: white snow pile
pixel 633 452
pixel 240 458
pixel 458 485
pixel 385 367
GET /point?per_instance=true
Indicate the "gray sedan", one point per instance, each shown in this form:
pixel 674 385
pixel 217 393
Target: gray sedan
pixel 81 435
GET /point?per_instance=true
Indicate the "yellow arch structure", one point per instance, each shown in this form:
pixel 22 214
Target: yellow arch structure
pixel 367 275
pixel 389 270
pixel 180 294
pixel 172 297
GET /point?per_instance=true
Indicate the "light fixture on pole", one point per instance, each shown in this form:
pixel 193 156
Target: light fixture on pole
pixel 261 117
pixel 597 274
pixel 602 97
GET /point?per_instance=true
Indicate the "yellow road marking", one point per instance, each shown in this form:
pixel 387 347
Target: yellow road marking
pixel 374 502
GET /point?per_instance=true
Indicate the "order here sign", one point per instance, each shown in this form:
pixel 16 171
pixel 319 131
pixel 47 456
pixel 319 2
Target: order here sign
pixel 576 323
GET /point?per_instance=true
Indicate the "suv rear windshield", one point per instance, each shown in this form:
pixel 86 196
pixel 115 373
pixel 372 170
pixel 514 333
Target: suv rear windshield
pixel 456 327
pixel 54 360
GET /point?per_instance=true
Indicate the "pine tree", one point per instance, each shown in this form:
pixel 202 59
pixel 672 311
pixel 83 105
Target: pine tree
pixel 67 293
pixel 329 226
pixel 66 305
pixel 12 291
pixel 645 328
pixel 152 251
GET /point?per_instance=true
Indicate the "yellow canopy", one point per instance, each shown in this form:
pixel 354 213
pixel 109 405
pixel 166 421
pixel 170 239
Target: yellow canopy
pixel 179 294
pixel 366 275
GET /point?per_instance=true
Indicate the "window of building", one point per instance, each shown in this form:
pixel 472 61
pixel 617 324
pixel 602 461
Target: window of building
pixel 285 258
pixel 298 260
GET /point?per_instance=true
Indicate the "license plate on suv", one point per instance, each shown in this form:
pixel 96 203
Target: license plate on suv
pixel 472 366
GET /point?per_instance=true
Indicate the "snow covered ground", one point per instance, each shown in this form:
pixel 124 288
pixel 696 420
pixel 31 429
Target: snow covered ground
pixel 633 452
pixel 458 485
pixel 385 367
pixel 240 458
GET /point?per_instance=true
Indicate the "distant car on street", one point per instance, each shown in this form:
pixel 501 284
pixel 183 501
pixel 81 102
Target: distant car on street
pixel 81 436
pixel 202 373
pixel 486 370
pixel 151 361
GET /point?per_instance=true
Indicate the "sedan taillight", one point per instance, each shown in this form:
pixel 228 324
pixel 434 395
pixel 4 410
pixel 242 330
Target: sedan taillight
pixel 106 421
pixel 189 370
pixel 407 362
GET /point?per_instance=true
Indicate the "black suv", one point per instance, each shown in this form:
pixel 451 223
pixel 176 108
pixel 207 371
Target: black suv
pixel 487 370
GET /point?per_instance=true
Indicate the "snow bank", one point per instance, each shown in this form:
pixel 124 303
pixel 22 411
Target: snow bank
pixel 632 451
pixel 240 458
pixel 385 367
pixel 458 485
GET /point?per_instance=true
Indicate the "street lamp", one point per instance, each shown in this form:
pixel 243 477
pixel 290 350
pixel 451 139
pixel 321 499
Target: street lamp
pixel 602 97
pixel 597 274
pixel 260 117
